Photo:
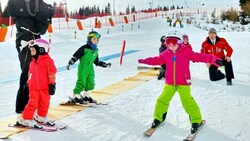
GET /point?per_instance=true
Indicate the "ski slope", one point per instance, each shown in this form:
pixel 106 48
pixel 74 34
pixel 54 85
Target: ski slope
pixel 225 108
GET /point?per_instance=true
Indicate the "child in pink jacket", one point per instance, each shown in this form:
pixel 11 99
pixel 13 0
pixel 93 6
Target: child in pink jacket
pixel 177 58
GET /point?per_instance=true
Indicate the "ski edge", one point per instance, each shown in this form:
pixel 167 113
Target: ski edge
pixel 83 105
pixel 45 128
pixel 58 125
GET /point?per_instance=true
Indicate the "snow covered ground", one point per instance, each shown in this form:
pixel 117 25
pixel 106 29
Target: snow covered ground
pixel 225 108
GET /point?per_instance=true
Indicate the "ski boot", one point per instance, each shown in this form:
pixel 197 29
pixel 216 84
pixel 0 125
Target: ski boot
pixel 155 123
pixel 229 81
pixel 195 127
pixel 44 120
pixel 77 98
pixel 86 97
pixel 27 123
pixel 89 99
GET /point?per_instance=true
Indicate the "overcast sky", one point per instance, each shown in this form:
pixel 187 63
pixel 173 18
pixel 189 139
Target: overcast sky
pixel 120 5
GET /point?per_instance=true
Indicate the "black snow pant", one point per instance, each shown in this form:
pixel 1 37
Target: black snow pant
pixel 23 91
pixel 216 74
pixel 24 59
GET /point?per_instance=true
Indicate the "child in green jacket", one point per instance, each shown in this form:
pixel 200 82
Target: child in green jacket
pixel 87 54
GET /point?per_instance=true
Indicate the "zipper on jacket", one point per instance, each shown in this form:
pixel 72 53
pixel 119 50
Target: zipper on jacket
pixel 174 60
pixel 37 80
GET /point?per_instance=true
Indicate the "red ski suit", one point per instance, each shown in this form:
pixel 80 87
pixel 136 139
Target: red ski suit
pixel 218 48
pixel 41 73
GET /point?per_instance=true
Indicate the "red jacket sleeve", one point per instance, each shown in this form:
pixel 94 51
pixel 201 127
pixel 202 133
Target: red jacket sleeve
pixel 227 47
pixel 51 72
pixel 203 50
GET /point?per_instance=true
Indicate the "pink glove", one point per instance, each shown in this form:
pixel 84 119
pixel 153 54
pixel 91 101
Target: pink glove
pixel 216 61
pixel 141 61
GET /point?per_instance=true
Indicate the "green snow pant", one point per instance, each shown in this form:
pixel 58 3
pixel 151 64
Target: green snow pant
pixel 86 74
pixel 188 102
pixel 84 82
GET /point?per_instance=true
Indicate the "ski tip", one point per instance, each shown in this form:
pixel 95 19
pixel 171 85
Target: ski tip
pixel 5 136
pixel 147 135
pixel 203 121
pixel 149 132
pixel 102 103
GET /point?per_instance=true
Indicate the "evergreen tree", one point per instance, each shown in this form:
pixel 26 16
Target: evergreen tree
pixel 133 9
pixel 108 9
pixel 80 12
pixel 1 8
pixel 128 10
pixel 242 2
pixel 245 11
pixel 5 12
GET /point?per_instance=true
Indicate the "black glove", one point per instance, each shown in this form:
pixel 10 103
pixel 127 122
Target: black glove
pixel 71 62
pixel 106 65
pixel 68 67
pixel 52 89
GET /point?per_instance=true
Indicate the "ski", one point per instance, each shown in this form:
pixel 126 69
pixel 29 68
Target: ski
pixel 149 132
pixel 147 67
pixel 102 103
pixel 5 136
pixel 71 102
pixel 78 104
pixel 44 128
pixel 192 136
pixel 83 105
pixel 58 125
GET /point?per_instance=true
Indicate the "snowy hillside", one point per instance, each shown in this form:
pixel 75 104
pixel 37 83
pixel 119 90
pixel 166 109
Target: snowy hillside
pixel 225 108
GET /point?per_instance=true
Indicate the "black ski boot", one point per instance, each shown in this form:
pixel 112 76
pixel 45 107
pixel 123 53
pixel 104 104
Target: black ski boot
pixel 155 123
pixel 195 127
pixel 88 99
pixel 76 99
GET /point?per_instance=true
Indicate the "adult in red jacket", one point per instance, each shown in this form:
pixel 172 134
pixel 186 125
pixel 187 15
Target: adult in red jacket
pixel 41 84
pixel 216 45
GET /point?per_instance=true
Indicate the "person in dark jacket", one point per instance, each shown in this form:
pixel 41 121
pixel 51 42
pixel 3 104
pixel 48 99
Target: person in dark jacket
pixel 161 49
pixel 87 54
pixel 217 46
pixel 22 38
